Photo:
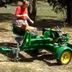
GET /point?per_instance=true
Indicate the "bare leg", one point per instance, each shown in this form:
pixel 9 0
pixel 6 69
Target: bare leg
pixel 30 28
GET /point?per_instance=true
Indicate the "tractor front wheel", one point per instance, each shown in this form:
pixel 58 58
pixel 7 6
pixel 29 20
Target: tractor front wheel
pixel 65 57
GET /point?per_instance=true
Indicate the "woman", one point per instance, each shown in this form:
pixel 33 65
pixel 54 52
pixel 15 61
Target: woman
pixel 22 16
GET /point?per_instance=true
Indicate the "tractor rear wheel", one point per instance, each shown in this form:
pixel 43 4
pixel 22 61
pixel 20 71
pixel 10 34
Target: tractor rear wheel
pixel 65 57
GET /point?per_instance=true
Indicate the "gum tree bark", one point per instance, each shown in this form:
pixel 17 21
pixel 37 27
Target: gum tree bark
pixel 32 9
pixel 69 12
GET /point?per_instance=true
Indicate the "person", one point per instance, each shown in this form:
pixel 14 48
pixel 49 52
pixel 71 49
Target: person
pixel 22 17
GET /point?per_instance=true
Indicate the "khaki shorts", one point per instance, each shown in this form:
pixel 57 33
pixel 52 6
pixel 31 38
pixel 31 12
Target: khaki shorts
pixel 20 23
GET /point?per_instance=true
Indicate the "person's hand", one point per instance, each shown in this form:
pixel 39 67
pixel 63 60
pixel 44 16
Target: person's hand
pixel 25 15
pixel 32 21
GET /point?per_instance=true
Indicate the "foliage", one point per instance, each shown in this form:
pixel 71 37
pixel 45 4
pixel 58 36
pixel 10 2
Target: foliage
pixel 58 5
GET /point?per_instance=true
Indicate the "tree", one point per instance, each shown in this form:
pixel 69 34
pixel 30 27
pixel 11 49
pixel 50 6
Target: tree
pixel 63 4
pixel 69 11
pixel 32 9
pixel 2 3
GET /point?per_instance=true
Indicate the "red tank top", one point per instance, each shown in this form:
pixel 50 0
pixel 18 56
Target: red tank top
pixel 21 11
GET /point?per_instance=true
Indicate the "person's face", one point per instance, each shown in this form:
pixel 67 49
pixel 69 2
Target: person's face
pixel 20 3
pixel 26 5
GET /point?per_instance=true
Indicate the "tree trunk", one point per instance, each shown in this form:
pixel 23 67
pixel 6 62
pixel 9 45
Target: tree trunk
pixel 32 9
pixel 69 12
pixel 2 3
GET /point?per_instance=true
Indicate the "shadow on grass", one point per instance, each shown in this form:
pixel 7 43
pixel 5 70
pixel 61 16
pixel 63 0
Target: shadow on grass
pixel 42 23
pixel 6 17
pixel 46 23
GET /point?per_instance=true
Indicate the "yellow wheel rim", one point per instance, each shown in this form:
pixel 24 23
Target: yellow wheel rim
pixel 65 58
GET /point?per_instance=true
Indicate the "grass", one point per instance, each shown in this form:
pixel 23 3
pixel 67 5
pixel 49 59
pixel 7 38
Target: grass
pixel 45 11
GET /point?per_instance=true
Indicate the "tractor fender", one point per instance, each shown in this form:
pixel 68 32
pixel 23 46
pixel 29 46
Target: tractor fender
pixel 60 50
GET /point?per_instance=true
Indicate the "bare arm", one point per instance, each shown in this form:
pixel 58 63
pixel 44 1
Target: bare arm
pixel 29 19
pixel 19 15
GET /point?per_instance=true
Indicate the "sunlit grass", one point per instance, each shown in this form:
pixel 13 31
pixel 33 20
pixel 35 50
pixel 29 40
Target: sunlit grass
pixel 45 11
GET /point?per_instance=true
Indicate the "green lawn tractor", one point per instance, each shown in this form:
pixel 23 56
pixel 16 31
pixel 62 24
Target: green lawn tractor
pixel 50 40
